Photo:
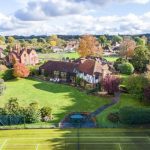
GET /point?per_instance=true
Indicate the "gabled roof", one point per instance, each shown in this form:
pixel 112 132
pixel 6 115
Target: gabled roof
pixel 59 66
pixel 87 67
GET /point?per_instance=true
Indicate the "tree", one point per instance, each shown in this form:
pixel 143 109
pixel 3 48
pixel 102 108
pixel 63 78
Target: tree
pixel 32 113
pixel 127 48
pixel 34 42
pixel 135 85
pixel 141 58
pixel 111 84
pixel 117 39
pixel 89 46
pixel 2 39
pixel 12 106
pixel 103 40
pixel 10 39
pixel 46 113
pixel 41 40
pixel 119 62
pixel 53 43
pixel 126 68
pixel 20 70
pixel 52 40
pixel 140 41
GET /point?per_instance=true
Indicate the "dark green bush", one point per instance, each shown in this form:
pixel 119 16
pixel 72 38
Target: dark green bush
pixel 132 116
pixel 135 85
pixel 7 75
pixel 34 70
pixel 113 117
pixel 46 113
pixel 126 68
pixel 118 62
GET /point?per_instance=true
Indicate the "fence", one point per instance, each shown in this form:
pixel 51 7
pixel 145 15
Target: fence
pixel 19 122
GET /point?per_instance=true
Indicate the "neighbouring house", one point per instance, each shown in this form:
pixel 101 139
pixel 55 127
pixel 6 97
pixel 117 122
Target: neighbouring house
pixel 90 70
pixel 57 49
pixel 22 55
pixel 71 46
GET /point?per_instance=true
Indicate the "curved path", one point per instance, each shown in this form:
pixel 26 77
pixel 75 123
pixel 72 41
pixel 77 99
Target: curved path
pixel 114 101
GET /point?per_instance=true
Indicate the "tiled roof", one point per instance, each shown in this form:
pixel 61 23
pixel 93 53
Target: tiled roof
pixel 87 67
pixel 59 66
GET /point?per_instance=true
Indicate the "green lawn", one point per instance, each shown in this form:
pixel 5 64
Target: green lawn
pixel 73 139
pixel 61 98
pixel 126 100
pixel 58 56
pixel 111 58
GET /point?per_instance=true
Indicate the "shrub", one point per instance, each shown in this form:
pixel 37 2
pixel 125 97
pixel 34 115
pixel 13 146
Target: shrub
pixel 111 84
pixel 130 115
pixel 135 85
pixel 78 81
pixel 141 58
pixel 32 113
pixel 118 62
pixel 126 68
pixel 3 68
pixel 34 70
pixel 46 113
pixel 113 117
pixel 12 107
pixel 147 94
pixel 3 111
pixel 20 70
pixel 7 75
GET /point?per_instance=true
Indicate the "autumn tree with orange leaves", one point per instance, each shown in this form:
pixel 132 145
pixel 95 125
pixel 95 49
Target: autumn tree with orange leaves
pixel 89 46
pixel 127 48
pixel 20 70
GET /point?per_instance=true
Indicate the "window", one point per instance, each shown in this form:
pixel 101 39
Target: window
pixel 56 74
pixel 63 75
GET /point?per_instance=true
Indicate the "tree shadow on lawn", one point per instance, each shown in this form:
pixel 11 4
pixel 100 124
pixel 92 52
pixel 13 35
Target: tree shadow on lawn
pixel 78 101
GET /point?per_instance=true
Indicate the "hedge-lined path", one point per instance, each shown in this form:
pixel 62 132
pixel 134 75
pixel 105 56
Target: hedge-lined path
pixel 100 109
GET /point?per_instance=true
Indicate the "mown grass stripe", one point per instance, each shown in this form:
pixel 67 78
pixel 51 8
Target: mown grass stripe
pixel 81 137
pixel 3 144
pixel 37 147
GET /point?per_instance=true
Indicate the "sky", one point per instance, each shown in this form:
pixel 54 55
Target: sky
pixel 73 17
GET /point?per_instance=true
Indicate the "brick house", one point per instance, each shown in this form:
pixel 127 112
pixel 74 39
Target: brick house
pixel 22 55
pixel 90 70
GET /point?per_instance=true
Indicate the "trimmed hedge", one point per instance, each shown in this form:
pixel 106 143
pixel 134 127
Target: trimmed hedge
pixel 126 68
pixel 118 62
pixel 132 116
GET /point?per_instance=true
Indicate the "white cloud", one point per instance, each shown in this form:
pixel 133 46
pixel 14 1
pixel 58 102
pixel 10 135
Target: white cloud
pixel 77 24
pixel 102 2
pixel 36 10
pixel 42 9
